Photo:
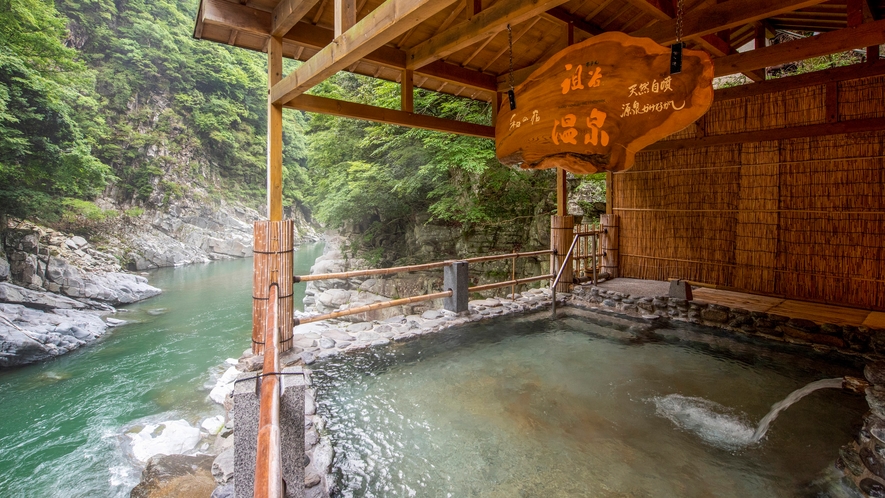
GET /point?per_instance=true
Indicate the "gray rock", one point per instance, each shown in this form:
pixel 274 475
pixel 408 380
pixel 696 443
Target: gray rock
pixel 4 269
pixel 308 358
pixel 226 491
pixel 875 373
pixel 338 335
pixel 367 336
pixel 327 343
pixel 431 315
pixel 28 335
pixel 359 327
pixel 223 466
pixel 381 342
pixel 14 294
pixel 343 344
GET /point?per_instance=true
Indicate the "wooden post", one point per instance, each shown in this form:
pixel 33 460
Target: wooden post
pixel 274 133
pixel 562 232
pixel 272 263
pixel 407 97
pixel 609 242
pixel 561 192
pixel 345 16
pixel 609 193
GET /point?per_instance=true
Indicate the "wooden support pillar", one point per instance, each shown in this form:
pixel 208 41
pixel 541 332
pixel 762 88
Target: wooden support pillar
pixel 272 263
pixel 562 232
pixel 474 7
pixel 609 240
pixel 407 88
pixel 345 15
pixel 561 192
pixel 274 132
pixel 609 192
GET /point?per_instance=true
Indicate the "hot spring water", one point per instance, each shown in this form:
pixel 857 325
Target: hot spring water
pixel 583 406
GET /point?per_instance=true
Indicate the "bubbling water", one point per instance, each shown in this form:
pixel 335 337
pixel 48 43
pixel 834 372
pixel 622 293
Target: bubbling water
pixel 720 426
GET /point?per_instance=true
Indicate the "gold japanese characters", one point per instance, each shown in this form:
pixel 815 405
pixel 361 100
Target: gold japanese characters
pixel 592 106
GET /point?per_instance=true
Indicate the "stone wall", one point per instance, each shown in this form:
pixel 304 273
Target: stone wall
pixel 845 338
pixel 863 460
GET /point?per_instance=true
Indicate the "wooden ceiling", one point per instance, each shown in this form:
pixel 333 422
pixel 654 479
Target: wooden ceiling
pixel 462 48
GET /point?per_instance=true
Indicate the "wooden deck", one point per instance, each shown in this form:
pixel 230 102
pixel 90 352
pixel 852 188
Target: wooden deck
pixel 816 312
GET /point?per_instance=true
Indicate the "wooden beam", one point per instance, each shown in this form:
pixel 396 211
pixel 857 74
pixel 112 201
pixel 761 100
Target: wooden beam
pixel 474 7
pixel 516 36
pixel 253 21
pixel 287 14
pixel 855 12
pixel 389 20
pixel 566 17
pixel 487 23
pixel 815 130
pixel 274 133
pixel 312 103
pixel 721 16
pixel 864 35
pixel 561 192
pixel 345 15
pixel 817 78
pixel 407 95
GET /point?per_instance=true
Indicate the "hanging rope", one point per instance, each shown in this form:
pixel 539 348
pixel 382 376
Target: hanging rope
pixel 676 49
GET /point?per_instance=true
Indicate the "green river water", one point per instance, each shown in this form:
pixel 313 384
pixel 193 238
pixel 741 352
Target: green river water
pixel 62 422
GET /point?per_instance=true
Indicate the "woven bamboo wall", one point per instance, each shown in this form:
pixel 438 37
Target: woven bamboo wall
pixel 801 218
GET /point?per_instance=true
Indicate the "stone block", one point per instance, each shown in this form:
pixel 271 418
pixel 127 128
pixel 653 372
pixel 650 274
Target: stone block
pixel 291 432
pixel 455 278
pixel 714 315
pixel 680 289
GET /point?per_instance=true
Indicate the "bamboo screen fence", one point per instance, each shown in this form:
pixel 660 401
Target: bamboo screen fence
pixel 802 218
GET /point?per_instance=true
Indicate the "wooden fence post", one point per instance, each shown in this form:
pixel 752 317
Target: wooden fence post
pixel 562 232
pixel 272 263
pixel 609 242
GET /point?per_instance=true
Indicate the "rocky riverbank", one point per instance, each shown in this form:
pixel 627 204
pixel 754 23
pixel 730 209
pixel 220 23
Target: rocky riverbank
pixel 54 291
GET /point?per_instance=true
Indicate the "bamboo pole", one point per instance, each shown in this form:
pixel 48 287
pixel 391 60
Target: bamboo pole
pixel 561 237
pixel 427 266
pixel 373 307
pixel 268 460
pixel 485 287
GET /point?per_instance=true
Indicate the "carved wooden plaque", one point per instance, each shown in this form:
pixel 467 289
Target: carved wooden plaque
pixel 592 106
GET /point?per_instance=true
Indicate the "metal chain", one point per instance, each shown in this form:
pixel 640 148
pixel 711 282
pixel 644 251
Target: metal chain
pixel 510 44
pixel 679 12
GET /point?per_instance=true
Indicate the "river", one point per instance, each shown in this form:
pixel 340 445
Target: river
pixel 62 422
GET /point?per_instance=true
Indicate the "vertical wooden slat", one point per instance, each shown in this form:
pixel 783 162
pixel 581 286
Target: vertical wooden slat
pixel 561 237
pixel 561 192
pixel 345 15
pixel 272 263
pixel 407 89
pixel 610 244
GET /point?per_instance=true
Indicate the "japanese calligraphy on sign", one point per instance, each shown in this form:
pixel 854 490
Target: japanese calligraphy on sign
pixel 594 105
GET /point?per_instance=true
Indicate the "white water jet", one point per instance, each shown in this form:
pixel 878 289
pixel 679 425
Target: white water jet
pixel 789 400
pixel 721 427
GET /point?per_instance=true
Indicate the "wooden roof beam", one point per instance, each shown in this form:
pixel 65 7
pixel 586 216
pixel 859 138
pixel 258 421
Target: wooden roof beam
pixel 486 23
pixel 563 15
pixel 721 16
pixel 313 103
pixel 713 43
pixel 287 14
pixel 257 22
pixel 865 35
pixel 390 20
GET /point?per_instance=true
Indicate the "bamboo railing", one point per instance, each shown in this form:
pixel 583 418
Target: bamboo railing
pixel 268 460
pixel 586 258
pixel 428 297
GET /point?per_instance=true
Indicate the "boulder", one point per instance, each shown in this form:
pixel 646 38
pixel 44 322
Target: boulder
pixel 28 335
pixel 14 294
pixel 223 466
pixel 176 476
pixel 4 268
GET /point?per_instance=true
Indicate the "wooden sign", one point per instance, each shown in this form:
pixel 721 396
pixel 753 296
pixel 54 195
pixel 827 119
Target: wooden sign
pixel 592 106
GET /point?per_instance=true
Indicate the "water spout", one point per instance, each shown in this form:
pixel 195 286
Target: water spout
pixel 850 383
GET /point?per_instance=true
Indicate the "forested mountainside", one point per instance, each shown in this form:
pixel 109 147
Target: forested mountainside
pixel 115 100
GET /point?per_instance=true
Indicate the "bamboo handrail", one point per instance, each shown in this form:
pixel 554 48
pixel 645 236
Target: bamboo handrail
pixel 373 307
pixel 562 266
pixel 268 461
pixel 427 266
pixel 517 281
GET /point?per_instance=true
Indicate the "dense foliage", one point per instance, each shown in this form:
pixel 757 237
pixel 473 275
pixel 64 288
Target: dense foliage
pixel 115 97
